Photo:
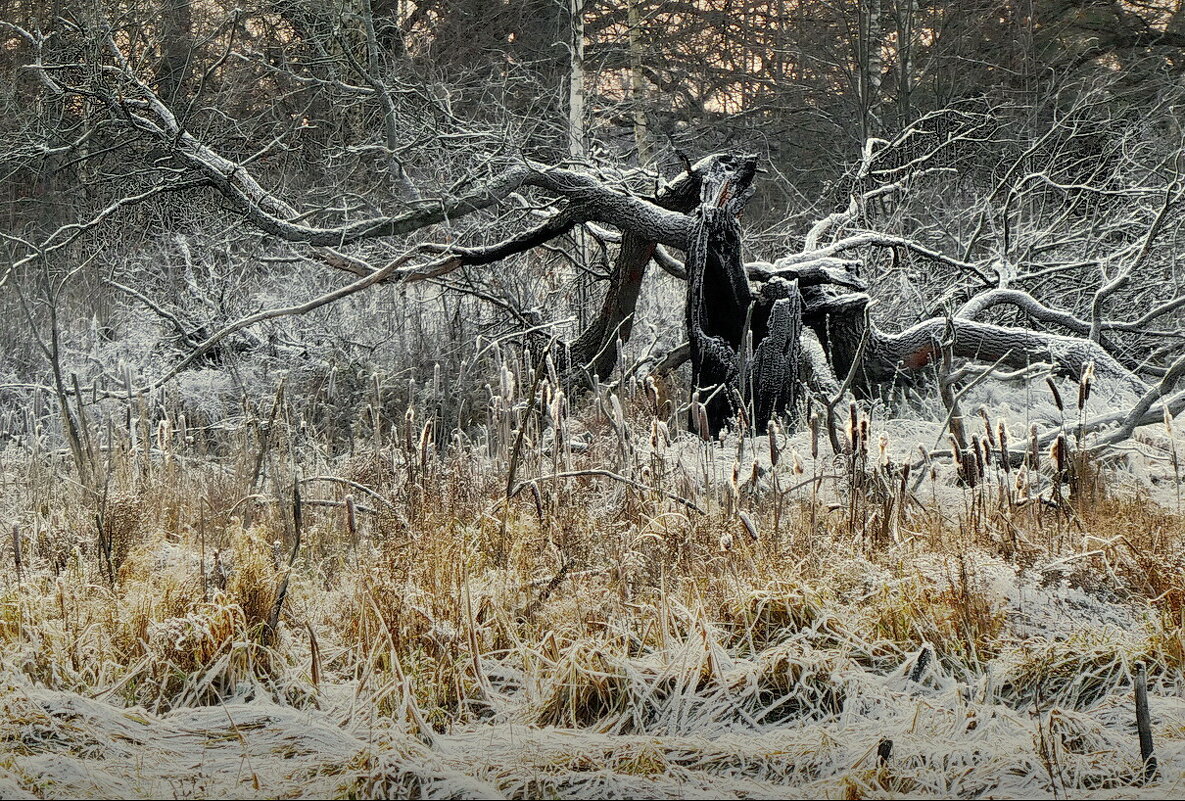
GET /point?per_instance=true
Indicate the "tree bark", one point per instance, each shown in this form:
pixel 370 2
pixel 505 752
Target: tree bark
pixel 594 352
pixel 745 347
pixel 839 320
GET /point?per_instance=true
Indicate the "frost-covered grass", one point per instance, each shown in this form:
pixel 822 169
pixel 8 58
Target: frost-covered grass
pixel 647 615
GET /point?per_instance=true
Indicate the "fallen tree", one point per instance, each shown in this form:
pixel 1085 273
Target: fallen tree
pixel 760 334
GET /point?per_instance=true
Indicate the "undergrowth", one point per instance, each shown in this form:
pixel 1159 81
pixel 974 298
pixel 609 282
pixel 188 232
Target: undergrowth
pixel 589 574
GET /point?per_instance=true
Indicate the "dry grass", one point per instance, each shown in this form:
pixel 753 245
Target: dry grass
pixel 617 633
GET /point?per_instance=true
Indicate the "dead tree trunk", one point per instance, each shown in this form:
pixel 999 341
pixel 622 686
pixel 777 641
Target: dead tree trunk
pixel 594 352
pixel 744 346
pixel 840 321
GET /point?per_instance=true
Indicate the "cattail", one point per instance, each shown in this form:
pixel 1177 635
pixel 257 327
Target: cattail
pixel 989 433
pixel 16 549
pixel 297 510
pixel 552 374
pixel 1002 430
pixel 652 393
pixel 1034 454
pixel 977 452
pixel 864 437
pixel 1084 385
pixel 506 383
pixel 618 413
pixel 1057 396
pixel 987 454
pixel 351 519
pixel 774 448
pixel 1057 454
pixel 558 408
pixel 701 421
pixel 163 432
pixel 882 446
pixel 755 474
pixel 409 418
pixel 854 426
pixel 815 435
pixel 736 474
pixel 1168 420
pixel 426 440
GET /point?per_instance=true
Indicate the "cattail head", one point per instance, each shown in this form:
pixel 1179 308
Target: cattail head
pixel 1057 453
pixel 854 426
pixel 701 420
pixel 1057 396
pixel 409 419
pixel 163 433
pixel 1034 455
pixel 882 446
pixel 618 412
pixel 1084 385
pixel 774 448
pixel 988 433
pixel 814 435
pixel 1002 432
pixel 864 436
pixel 506 383
pixel 351 518
pixel 1168 420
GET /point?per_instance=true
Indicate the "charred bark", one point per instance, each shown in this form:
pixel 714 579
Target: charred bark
pixel 595 351
pixel 839 321
pixel 745 347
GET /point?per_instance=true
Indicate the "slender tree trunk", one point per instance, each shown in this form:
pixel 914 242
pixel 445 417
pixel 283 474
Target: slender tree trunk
pixel 869 66
pixel 638 85
pixel 576 81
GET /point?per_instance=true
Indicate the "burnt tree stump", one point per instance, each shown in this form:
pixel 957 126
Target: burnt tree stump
pixel 744 345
